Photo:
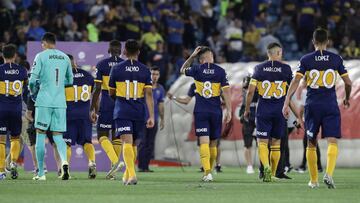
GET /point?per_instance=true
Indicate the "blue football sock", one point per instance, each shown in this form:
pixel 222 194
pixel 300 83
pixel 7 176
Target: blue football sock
pixel 61 147
pixel 40 152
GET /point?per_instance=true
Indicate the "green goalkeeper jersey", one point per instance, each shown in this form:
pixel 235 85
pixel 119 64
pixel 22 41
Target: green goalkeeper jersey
pixel 52 69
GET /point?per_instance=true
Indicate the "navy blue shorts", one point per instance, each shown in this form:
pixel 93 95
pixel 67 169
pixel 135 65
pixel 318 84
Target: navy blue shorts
pixel 208 124
pixel 10 121
pixel 325 116
pixel 270 127
pixel 105 121
pixel 78 132
pixel 136 128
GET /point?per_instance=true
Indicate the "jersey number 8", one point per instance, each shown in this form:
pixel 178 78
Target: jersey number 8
pixel 84 93
pixel 207 90
pixel 16 87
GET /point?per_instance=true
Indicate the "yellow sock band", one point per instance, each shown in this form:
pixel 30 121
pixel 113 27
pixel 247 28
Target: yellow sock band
pixel 311 158
pixel 109 149
pixel 68 153
pixel 264 153
pixel 117 146
pixel 90 151
pixel 205 157
pixel 213 156
pixel 332 153
pixel 2 156
pixel 128 154
pixel 14 149
pixel 274 158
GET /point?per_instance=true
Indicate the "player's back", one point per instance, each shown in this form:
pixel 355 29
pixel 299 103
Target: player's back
pixel 271 79
pixel 78 95
pixel 12 78
pixel 54 72
pixel 321 69
pixel 103 74
pixel 209 79
pixel 130 78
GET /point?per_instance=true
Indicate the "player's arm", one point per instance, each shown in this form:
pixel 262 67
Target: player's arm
pixel 69 77
pixel 296 111
pixel 150 106
pixel 249 97
pixel 190 60
pixel 292 88
pixel 182 100
pixel 227 100
pixel 97 89
pixel 348 85
pixel 34 76
pixel 161 113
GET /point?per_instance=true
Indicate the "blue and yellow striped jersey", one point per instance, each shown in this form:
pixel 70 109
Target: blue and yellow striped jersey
pixel 12 78
pixel 210 79
pixel 129 79
pixel 321 70
pixel 78 95
pixel 102 75
pixel 271 79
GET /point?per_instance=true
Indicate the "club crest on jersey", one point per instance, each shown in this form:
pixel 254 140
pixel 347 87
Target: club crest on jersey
pixel 132 68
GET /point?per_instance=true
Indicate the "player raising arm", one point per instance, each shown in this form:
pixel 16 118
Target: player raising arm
pixel 320 69
pixel 210 83
pixel 52 69
pixel 130 84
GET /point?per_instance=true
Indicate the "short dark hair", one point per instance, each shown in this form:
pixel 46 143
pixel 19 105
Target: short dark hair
pixel 49 38
pixel 132 46
pixel 320 36
pixel 9 51
pixel 70 57
pixel 273 45
pixel 115 47
pixel 155 68
pixel 203 50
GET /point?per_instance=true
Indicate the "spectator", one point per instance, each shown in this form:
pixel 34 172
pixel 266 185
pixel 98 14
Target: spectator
pixel 107 28
pixel 35 32
pixel 133 26
pixel 234 37
pixel 73 34
pixel 160 59
pixel 352 51
pixel 331 47
pixel 92 30
pixel 99 10
pixel 215 44
pixel 309 10
pixel 260 22
pixel 175 30
pixel 252 35
pixel 264 42
pixel 151 38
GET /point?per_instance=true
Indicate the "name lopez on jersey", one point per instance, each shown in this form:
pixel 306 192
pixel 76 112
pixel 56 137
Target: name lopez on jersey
pixel 131 68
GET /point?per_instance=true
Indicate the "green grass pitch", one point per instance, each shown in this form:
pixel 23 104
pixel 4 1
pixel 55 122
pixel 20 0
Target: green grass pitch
pixel 173 185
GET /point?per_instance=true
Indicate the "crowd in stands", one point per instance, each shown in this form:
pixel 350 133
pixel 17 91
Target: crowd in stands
pixel 237 30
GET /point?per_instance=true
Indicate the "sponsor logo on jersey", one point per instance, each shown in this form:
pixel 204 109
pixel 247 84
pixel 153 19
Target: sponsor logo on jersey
pixel 42 124
pixel 78 75
pixel 259 133
pixel 105 125
pixel 201 130
pixel 122 129
pixel 310 134
pixel 3 129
